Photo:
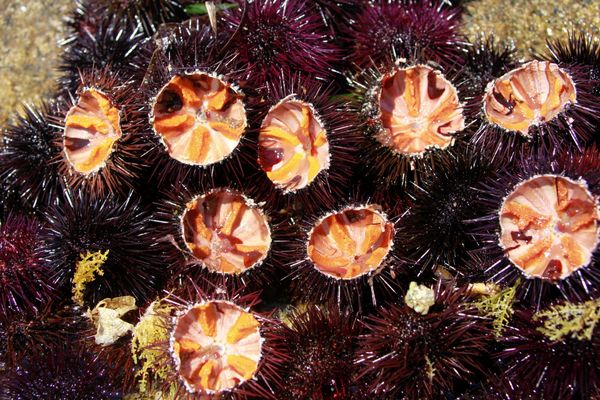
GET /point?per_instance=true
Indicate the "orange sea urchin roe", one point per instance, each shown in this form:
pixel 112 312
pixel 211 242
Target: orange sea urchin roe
pixel 532 94
pixel 226 232
pixel 350 243
pixel 217 346
pixel 200 118
pixel 91 129
pixel 549 226
pixel 293 146
pixel 419 109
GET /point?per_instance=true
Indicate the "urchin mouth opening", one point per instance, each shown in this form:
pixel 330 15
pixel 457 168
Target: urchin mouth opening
pixel 351 243
pixel 528 96
pixel 549 226
pixel 200 118
pixel 418 110
pixel 92 127
pixel 216 346
pixel 293 148
pixel 226 232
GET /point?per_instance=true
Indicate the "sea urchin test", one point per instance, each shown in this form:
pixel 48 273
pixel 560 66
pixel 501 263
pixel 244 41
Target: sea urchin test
pixel 528 96
pixel 91 129
pixel 420 109
pixel 216 346
pixel 350 243
pixel 549 226
pixel 293 145
pixel 226 231
pixel 200 118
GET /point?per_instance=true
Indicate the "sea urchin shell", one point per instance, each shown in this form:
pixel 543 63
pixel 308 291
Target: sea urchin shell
pixel 199 118
pixel 216 346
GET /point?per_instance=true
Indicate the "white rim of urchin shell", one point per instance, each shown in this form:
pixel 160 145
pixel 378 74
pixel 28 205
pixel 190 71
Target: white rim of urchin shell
pixel 177 361
pixel 377 90
pixel 295 98
pixel 490 85
pixel 213 75
pixel 581 182
pixel 374 207
pixel 104 163
pixel 251 204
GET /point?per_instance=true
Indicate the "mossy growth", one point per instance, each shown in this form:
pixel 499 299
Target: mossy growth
pixel 569 320
pixel 149 336
pixel 87 268
pixel 498 306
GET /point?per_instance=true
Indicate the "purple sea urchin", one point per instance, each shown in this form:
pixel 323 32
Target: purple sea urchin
pixel 196 111
pixel 147 14
pixel 513 227
pixel 102 148
pixel 102 44
pixel 406 128
pixel 103 248
pixel 275 36
pixel 438 207
pixel 66 372
pixel 554 353
pixel 320 343
pixel 24 271
pixel 579 49
pixel 405 354
pixel 217 235
pixel 404 28
pixel 302 113
pixel 26 156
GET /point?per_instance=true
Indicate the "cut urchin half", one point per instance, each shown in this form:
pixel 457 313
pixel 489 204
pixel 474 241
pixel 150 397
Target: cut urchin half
pixel 199 118
pixel 549 226
pixel 197 114
pixel 538 222
pixel 419 109
pixel 216 346
pixel 100 137
pixel 542 102
pixel 217 235
pixel 343 254
pixel 213 343
pixel 528 96
pixel 293 145
pixel 350 243
pixel 307 145
pixel 92 127
pixel 226 232
pixel 408 115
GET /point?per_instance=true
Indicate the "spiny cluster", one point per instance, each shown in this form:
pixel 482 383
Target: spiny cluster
pixel 302 200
